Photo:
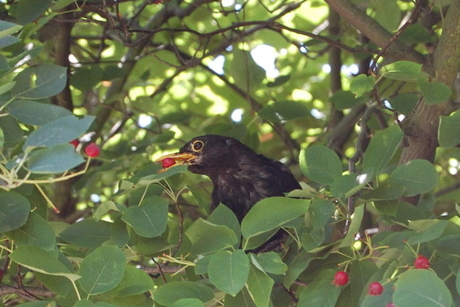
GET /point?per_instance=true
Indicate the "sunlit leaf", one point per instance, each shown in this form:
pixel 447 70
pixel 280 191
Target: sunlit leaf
pixel 402 71
pixel 361 84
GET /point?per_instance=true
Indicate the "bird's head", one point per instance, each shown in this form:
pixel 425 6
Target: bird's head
pixel 210 153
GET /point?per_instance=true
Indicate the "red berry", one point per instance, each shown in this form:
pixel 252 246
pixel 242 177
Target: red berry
pixel 375 288
pixel 422 263
pixel 391 305
pixel 340 278
pixel 92 150
pixel 168 162
pixel 75 143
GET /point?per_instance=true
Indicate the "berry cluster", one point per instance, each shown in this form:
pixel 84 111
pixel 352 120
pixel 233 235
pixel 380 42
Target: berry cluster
pixel 341 278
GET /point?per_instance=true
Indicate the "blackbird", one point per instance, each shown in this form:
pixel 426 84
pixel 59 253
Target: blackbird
pixel 240 176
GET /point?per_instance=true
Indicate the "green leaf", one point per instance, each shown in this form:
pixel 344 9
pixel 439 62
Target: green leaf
pixel 105 207
pixel 282 111
pixel 12 131
pixel 434 92
pixel 150 218
pixel 135 281
pixel 102 270
pixel 279 81
pixel 269 262
pixel 229 271
pixel 6 87
pixel 5 42
pixel 361 84
pixel 402 71
pixel 7 28
pixel 59 284
pixel 432 233
pixel 320 164
pixel 246 74
pixel 36 259
pixel 361 272
pixel 385 14
pixel 119 233
pixel 296 267
pixel 29 10
pixel 457 281
pixel 271 213
pixel 14 211
pixel 59 131
pixel 41 81
pixel 404 103
pixel 400 212
pixel 386 190
pixel 242 299
pixel 313 239
pixel 415 288
pixel 321 292
pixel 449 130
pixel 87 233
pixel 355 225
pixel 382 148
pixel 346 100
pixel 54 160
pixel 36 113
pixel 176 169
pixel 207 237
pixel 35 232
pixel 321 211
pixel 259 286
pixel 188 302
pixel 417 176
pixel 349 184
pixel 87 77
pixel 222 215
pixel 173 291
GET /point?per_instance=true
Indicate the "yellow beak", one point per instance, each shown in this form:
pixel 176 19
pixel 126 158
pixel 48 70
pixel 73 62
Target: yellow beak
pixel 180 158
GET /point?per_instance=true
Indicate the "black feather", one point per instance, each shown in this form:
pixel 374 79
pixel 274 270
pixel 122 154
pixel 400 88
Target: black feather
pixel 240 176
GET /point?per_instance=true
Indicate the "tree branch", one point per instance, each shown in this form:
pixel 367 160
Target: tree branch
pixel 374 31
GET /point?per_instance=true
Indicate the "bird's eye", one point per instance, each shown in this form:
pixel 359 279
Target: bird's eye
pixel 197 145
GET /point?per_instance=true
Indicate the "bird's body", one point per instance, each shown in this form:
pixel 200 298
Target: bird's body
pixel 240 176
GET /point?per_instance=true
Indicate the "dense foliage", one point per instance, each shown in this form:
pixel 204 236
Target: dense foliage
pixel 358 98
